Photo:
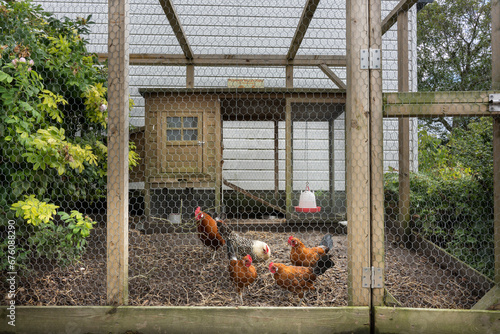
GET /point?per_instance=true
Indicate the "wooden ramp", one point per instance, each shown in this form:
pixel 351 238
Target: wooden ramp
pixel 254 197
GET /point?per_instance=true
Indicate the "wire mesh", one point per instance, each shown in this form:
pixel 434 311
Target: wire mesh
pixel 225 134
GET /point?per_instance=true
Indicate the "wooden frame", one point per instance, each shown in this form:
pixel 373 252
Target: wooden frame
pixel 363 31
pixel 221 320
pixel 118 139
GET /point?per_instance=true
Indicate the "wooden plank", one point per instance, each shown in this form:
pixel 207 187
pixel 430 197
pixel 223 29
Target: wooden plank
pixel 288 159
pixel 403 131
pixel 289 76
pixel 377 233
pixel 190 76
pixel 252 196
pixel 305 19
pixel 231 60
pixel 422 98
pixel 217 320
pixel 450 262
pixel 218 157
pixel 332 76
pixel 175 23
pixel 495 74
pixel 357 155
pixel 491 300
pixel 433 321
pixel 331 161
pixel 118 138
pixel 436 110
pixel 390 20
pixel 276 160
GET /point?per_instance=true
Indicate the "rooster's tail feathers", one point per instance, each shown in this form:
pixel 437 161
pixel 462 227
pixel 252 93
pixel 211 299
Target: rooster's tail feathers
pixel 327 241
pixel 323 264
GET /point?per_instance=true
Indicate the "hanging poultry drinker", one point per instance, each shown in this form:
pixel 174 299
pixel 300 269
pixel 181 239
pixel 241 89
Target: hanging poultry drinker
pixel 307 202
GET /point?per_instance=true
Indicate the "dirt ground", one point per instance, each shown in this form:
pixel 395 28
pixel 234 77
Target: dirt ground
pixel 176 269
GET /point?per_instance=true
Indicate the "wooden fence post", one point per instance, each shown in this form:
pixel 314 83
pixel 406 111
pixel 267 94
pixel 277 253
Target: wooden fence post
pixel 404 131
pixel 495 85
pixel 118 138
pixel 376 154
pixel 358 153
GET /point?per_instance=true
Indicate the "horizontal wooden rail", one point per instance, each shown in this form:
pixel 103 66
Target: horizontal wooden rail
pixel 432 321
pixel 231 60
pixel 217 320
pixel 436 104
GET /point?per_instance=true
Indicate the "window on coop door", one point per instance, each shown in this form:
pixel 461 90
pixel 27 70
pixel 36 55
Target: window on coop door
pixel 184 144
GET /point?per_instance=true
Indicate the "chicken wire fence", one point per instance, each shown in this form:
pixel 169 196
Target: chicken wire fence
pixel 261 152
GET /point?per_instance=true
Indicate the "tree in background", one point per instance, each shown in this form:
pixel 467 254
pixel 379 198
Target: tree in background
pixel 53 117
pixel 453 52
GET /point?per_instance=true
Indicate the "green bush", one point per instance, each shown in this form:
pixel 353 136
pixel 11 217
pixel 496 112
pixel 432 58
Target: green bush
pixel 451 198
pixel 53 117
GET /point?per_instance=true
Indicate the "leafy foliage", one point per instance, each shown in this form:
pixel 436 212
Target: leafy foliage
pixel 453 52
pixel 452 195
pixel 53 117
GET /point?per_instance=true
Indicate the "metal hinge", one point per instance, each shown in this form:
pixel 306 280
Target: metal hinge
pixel 370 59
pixel 494 104
pixel 372 278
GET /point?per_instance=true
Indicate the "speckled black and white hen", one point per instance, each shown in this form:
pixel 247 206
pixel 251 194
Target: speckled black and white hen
pixel 258 250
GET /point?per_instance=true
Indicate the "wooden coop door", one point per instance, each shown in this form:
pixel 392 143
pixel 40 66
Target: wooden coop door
pixel 183 144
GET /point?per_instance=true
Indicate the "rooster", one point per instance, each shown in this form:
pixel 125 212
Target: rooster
pixel 207 229
pixel 242 272
pixel 258 250
pixel 300 255
pixel 295 279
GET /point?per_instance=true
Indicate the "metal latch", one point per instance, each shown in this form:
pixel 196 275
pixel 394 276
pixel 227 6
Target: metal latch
pixel 494 104
pixel 370 59
pixel 372 278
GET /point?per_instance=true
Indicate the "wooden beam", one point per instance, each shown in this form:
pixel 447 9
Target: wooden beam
pixel 288 158
pixel 305 19
pixel 437 104
pixel 404 231
pixel 289 76
pixel 422 98
pixel 219 152
pixel 491 300
pixel 390 20
pixel 199 319
pixel 189 76
pixel 332 76
pixel 175 23
pixel 118 138
pixel 436 110
pixel 431 321
pixel 276 160
pixel 252 196
pixel 377 225
pixel 495 85
pixel 358 154
pixel 231 60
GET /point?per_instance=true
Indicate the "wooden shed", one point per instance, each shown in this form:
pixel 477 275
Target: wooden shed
pixel 184 136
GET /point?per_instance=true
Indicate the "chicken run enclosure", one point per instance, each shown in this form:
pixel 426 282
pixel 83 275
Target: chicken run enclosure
pixel 148 143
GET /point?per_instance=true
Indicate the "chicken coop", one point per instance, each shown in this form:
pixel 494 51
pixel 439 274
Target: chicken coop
pixel 197 166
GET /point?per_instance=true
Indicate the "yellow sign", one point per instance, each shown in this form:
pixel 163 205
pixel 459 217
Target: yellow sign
pixel 245 83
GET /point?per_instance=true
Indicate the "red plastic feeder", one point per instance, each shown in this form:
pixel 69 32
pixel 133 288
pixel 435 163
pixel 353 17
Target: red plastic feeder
pixel 299 209
pixel 307 202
